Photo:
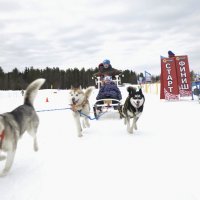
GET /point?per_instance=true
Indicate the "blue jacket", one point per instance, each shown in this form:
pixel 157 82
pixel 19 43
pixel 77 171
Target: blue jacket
pixel 109 91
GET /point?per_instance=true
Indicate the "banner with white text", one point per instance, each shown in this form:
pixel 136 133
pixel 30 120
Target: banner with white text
pixel 168 78
pixel 183 76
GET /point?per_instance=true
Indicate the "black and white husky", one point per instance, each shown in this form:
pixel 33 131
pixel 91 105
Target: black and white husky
pixel 13 124
pixel 79 101
pixel 132 108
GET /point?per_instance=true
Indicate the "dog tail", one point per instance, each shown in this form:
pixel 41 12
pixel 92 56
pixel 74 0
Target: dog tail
pixel 31 91
pixel 88 92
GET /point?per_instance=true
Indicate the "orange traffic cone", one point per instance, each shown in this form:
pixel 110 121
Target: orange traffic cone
pixel 47 100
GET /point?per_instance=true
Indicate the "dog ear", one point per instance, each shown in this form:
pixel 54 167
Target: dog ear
pixel 131 90
pixel 80 87
pixel 72 87
pixel 140 91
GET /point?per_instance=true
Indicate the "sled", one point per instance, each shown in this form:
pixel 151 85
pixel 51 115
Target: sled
pixel 105 105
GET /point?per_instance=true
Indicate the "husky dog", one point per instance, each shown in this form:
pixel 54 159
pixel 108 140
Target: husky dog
pixel 13 124
pixel 79 101
pixel 132 108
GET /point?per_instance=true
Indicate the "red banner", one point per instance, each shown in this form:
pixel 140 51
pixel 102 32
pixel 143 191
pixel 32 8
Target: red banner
pixel 183 76
pixel 169 84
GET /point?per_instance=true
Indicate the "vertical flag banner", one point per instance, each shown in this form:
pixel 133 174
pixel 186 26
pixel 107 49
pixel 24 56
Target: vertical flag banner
pixel 169 83
pixel 147 76
pixel 183 76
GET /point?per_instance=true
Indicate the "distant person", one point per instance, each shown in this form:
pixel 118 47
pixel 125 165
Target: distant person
pixel 22 92
pixel 105 68
pixel 171 54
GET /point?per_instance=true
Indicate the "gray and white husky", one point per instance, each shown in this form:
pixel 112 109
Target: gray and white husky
pixel 79 101
pixel 132 108
pixel 13 124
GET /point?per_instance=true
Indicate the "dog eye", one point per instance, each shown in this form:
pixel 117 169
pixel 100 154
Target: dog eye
pixel 76 94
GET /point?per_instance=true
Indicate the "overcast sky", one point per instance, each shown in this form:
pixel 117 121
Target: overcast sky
pixel 82 33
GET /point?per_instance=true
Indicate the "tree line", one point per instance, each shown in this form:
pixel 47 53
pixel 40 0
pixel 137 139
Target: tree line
pixel 57 78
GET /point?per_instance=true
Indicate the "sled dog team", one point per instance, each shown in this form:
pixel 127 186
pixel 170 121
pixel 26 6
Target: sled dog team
pixel 24 118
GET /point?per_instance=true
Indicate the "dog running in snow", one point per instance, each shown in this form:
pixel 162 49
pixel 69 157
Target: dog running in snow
pixel 79 101
pixel 13 125
pixel 132 108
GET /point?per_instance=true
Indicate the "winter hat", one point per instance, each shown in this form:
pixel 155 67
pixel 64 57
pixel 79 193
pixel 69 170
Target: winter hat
pixel 106 62
pixel 170 53
pixel 107 78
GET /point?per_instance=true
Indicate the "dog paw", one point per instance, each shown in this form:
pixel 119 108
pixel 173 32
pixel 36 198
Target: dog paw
pixel 135 127
pixel 36 149
pixel 130 131
pixel 80 135
pixel 84 126
pixel 3 173
pixel 2 158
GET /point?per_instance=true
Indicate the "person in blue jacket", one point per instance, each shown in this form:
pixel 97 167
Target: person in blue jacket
pixel 109 90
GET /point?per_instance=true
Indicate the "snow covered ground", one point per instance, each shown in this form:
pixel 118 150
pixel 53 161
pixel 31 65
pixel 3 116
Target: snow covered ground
pixel 161 161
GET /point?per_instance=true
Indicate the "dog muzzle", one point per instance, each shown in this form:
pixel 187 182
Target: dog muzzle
pixel 74 102
pixel 138 103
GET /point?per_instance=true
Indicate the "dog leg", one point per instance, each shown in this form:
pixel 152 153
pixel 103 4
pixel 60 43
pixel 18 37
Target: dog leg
pixel 132 126
pixel 35 144
pixel 134 123
pixel 87 123
pixel 84 122
pixel 9 162
pixel 125 121
pixel 2 157
pixel 128 124
pixel 33 132
pixel 78 124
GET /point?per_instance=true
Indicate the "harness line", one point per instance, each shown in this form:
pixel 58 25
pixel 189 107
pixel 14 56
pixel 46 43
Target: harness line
pixel 81 113
pixel 53 109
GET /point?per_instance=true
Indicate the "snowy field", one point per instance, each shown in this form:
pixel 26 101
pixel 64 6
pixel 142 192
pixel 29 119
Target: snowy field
pixel 161 161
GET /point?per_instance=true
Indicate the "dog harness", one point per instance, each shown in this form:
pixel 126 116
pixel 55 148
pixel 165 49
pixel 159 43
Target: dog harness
pixel 2 135
pixel 75 106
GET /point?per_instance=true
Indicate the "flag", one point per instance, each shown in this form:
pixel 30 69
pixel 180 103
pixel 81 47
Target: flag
pixel 168 78
pixel 147 76
pixel 161 57
pixel 183 75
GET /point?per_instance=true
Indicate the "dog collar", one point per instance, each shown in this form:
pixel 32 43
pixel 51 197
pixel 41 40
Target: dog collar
pixel 75 107
pixel 2 135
